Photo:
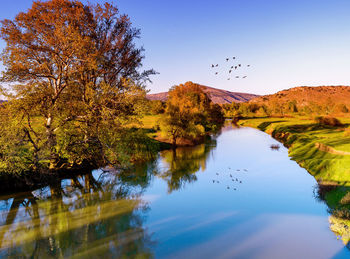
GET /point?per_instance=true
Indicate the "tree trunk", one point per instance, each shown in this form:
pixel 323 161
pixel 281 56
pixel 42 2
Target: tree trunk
pixel 174 142
pixel 51 142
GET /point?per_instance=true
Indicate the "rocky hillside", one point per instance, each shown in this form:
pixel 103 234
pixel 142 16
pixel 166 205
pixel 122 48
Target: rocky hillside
pixel 216 95
pixel 304 95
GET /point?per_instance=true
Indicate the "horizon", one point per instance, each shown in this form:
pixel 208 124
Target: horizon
pixel 287 44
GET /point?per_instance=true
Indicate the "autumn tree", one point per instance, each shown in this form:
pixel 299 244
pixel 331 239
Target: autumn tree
pixel 75 78
pixel 189 113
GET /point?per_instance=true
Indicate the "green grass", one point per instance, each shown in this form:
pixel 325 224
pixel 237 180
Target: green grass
pixel 150 121
pixel 301 134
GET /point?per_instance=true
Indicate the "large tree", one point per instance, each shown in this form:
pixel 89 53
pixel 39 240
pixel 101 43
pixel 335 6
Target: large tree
pixel 75 74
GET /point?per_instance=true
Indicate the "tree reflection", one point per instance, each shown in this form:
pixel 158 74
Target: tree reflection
pixel 337 198
pixel 84 217
pixel 96 214
pixel 182 164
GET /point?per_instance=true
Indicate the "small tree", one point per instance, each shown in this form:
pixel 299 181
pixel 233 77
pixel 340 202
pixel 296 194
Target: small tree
pixel 189 113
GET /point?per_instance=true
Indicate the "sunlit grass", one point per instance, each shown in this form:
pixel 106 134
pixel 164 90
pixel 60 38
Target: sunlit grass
pixel 304 136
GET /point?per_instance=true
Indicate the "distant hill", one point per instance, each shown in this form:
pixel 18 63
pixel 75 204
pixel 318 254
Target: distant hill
pixel 216 95
pixel 305 95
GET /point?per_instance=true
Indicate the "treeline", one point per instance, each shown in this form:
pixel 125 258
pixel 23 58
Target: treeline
pixel 75 84
pixel 281 109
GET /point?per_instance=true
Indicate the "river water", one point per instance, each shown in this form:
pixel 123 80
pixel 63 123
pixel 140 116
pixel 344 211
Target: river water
pixel 233 197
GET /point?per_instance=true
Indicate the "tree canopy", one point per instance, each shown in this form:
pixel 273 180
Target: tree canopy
pixel 189 113
pixel 76 80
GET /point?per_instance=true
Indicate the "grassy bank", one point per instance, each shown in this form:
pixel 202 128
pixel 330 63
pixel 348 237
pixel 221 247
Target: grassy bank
pixel 322 150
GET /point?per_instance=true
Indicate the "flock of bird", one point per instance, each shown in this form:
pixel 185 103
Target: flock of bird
pixel 231 68
pixel 232 178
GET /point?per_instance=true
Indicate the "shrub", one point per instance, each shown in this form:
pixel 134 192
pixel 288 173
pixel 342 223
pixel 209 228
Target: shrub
pixel 328 121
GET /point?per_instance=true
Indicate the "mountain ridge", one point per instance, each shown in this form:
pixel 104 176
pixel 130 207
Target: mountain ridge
pixel 216 95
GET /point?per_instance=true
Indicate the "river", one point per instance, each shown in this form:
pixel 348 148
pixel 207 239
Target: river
pixel 233 197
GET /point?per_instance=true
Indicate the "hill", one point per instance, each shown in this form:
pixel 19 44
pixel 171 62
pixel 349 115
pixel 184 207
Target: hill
pixel 216 95
pixel 305 96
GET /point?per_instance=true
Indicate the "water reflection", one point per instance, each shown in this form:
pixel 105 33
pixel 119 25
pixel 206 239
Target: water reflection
pixel 109 213
pixel 182 164
pixel 81 217
pixel 337 199
pixel 99 213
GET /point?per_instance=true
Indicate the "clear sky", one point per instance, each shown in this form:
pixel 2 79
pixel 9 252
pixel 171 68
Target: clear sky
pixel 287 43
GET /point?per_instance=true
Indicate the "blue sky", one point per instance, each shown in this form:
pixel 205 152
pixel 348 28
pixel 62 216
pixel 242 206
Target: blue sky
pixel 287 43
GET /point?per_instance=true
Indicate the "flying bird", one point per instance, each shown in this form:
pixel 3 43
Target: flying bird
pixel 239 65
pixel 235 67
pixel 230 71
pixel 248 65
pixel 227 59
pixel 237 77
pixel 244 77
pixel 212 65
pixel 234 58
pixel 231 67
pixel 216 73
pixel 217 65
pixel 228 78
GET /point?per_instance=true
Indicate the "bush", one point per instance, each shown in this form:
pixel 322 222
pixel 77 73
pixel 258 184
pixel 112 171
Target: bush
pixel 328 121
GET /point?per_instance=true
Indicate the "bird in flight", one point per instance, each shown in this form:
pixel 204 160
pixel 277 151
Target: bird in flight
pixel 234 58
pixel 228 78
pixel 235 67
pixel 217 65
pixel 239 65
pixel 231 67
pixel 227 59
pixel 230 71
pixel 248 65
pixel 237 76
pixel 212 65
pixel 216 73
pixel 244 77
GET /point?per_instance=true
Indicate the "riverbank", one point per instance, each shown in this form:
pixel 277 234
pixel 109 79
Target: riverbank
pixel 324 151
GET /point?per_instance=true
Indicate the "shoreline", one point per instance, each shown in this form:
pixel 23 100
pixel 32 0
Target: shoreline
pixel 308 145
